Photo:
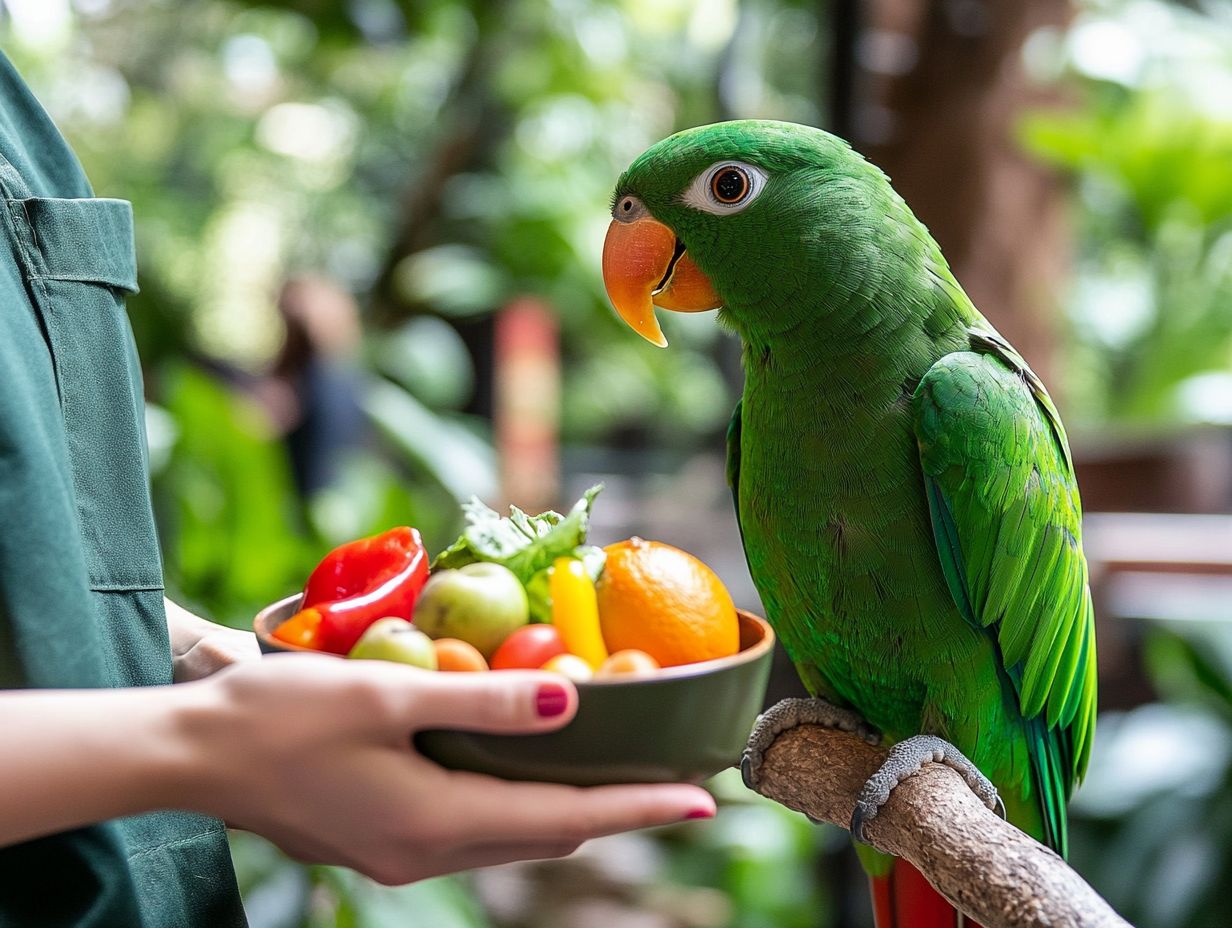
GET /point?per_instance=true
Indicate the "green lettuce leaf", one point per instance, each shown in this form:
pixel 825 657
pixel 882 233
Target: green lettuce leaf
pixel 524 543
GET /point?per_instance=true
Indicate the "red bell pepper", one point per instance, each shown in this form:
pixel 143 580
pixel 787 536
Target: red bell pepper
pixel 360 582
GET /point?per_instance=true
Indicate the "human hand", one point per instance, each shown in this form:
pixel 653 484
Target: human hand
pixel 217 647
pixel 314 753
pixel 200 647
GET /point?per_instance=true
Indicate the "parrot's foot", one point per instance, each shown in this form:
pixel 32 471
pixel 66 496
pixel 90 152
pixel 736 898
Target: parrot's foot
pixel 788 714
pixel 904 759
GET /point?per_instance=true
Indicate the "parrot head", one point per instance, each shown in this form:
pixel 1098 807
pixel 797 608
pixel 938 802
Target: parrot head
pixel 749 216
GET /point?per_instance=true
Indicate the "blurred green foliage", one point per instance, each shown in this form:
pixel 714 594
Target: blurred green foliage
pixel 1147 141
pixel 763 856
pixel 1152 826
pixel 1149 148
pixel 438 158
pixel 226 480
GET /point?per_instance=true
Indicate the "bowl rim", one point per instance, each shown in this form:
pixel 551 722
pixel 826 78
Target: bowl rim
pixel 678 672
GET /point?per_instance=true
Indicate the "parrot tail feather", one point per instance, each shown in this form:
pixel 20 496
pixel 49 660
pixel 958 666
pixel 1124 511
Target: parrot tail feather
pixel 904 899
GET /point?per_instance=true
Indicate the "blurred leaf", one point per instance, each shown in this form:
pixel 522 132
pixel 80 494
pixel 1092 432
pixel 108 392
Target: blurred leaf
pixel 1149 147
pixel 367 496
pixel 161 433
pixel 448 451
pixel 428 358
pixel 1184 670
pixel 454 279
pixel 761 854
pixel 229 524
pixel 444 902
pixel 275 889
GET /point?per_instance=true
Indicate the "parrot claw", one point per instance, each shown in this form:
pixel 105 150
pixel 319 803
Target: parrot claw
pixel 857 823
pixel 788 714
pixel 747 773
pixel 904 759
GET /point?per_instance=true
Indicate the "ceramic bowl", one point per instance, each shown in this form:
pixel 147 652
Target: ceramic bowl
pixel 680 725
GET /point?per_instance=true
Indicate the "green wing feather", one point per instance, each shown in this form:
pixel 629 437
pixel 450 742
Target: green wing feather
pixel 733 460
pixel 1007 522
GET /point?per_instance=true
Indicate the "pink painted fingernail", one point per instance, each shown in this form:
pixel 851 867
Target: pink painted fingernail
pixel 699 813
pixel 551 700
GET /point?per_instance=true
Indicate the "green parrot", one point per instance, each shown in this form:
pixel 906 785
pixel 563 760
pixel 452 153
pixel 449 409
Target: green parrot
pixel 902 480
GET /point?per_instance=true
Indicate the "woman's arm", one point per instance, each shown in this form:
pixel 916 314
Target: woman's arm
pixel 315 754
pixel 200 647
pixel 70 757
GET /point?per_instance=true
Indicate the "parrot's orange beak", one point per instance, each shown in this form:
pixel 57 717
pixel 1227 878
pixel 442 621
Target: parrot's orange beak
pixel 645 265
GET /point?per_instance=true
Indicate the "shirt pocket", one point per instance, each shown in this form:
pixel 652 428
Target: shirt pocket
pixel 80 263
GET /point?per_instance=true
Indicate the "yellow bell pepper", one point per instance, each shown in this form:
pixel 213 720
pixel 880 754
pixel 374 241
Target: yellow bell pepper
pixel 575 610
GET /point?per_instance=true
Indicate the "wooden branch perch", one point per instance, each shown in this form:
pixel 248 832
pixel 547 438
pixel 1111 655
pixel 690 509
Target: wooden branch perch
pixel 988 868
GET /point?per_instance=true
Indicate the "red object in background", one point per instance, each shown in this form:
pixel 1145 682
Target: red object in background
pixel 356 584
pixel 528 648
pixel 904 899
pixel 527 402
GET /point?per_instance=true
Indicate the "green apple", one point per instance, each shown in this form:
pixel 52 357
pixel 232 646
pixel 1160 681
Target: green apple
pixel 480 603
pixel 395 639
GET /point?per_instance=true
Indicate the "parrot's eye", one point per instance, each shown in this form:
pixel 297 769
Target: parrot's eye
pixel 628 209
pixel 726 187
pixel 730 185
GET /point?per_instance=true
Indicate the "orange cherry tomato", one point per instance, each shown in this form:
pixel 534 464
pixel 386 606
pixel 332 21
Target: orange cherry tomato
pixel 453 654
pixel 571 666
pixel 629 662
pixel 528 648
pixel 302 629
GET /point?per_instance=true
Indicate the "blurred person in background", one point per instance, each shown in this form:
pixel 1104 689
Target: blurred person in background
pixel 313 391
pixel 114 784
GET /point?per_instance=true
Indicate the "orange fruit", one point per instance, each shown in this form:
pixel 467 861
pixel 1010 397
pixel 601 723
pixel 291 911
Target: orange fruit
pixel 664 601
pixel 571 666
pixel 457 656
pixel 627 662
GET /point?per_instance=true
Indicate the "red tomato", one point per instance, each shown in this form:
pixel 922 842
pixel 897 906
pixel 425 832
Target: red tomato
pixel 529 648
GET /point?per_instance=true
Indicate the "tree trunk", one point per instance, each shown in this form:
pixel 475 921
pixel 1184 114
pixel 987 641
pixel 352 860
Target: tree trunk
pixel 940 88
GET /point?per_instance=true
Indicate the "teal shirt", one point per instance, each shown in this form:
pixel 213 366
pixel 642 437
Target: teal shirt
pixel 81 588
